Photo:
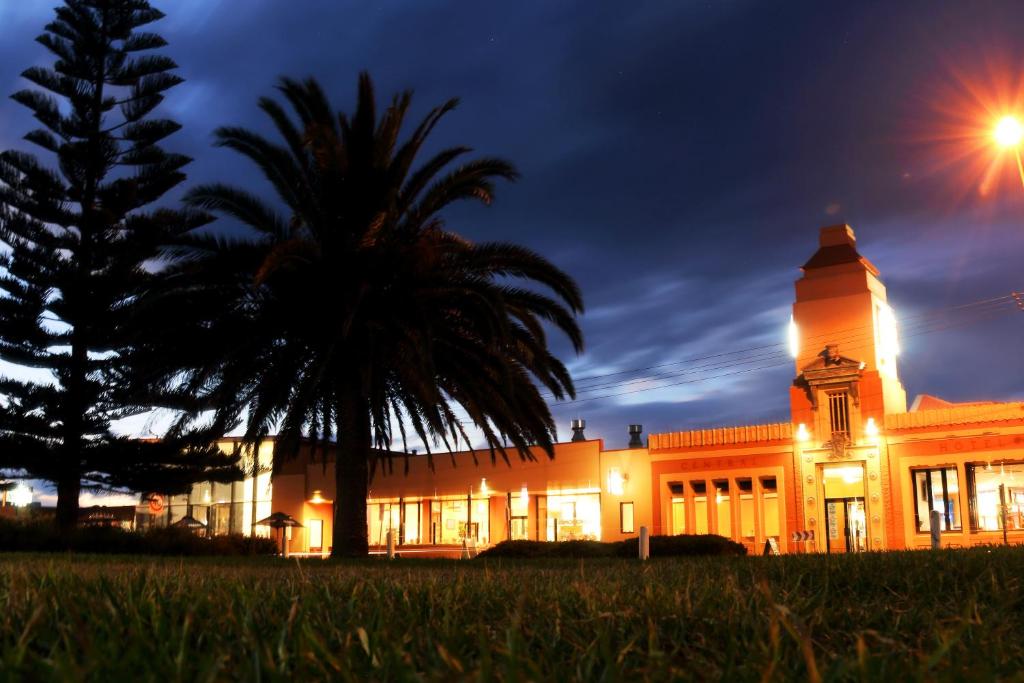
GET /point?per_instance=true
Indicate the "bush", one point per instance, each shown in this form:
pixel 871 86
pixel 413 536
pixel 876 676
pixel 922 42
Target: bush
pixel 682 546
pixel 42 537
pixel 661 546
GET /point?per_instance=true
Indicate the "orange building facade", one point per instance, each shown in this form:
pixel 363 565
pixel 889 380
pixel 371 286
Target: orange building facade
pixel 852 470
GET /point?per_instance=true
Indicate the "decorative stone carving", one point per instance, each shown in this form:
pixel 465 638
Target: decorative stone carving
pixel 831 371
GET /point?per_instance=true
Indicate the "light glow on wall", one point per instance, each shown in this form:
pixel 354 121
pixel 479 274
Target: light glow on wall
pixel 615 481
pixel 524 495
pixel 871 428
pixel 794 338
pixel 484 490
pixel 888 338
pixel 801 432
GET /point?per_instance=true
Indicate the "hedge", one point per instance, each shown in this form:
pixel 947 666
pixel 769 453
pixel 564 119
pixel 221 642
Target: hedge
pixel 661 546
pixel 43 537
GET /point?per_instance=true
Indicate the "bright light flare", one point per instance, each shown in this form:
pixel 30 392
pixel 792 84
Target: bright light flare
pixel 793 334
pixel 974 127
pixel 615 481
pixel 1008 132
pixel 20 496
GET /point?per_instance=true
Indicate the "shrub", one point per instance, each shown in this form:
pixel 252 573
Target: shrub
pixel 682 546
pixel 42 537
pixel 661 546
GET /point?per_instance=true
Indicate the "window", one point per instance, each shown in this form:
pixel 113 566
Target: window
pixel 626 517
pixel 937 489
pixel 678 515
pixel 411 528
pixel 518 505
pixel 380 519
pixel 316 535
pixel 985 501
pixel 770 503
pixel 839 412
pixel 747 511
pixel 700 506
pixel 723 508
pixel 573 517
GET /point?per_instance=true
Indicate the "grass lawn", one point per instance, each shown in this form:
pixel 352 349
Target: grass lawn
pixel 946 615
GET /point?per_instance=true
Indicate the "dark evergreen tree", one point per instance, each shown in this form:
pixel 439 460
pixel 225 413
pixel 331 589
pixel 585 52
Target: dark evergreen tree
pixel 357 312
pixel 80 241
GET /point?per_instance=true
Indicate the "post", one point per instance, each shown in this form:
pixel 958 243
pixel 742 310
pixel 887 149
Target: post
pixel 645 543
pixel 936 529
pixel 1002 511
pixel 391 544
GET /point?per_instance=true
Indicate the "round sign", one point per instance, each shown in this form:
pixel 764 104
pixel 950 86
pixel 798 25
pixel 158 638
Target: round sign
pixel 156 503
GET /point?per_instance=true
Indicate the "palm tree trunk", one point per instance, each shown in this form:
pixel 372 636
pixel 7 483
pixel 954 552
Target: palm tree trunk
pixel 351 478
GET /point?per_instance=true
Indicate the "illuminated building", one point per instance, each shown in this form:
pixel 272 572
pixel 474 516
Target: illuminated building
pixel 852 464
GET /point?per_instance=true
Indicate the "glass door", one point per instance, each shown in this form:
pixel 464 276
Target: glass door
pixel 845 513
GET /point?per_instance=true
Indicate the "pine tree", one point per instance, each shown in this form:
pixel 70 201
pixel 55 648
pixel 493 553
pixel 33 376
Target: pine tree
pixel 80 243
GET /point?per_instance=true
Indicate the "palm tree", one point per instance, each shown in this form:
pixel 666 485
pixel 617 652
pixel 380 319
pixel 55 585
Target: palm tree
pixel 357 315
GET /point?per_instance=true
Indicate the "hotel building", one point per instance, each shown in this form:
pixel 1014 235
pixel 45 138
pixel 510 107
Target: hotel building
pixel 853 464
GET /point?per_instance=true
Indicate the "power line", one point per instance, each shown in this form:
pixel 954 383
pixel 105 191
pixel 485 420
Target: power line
pixel 979 315
pixel 830 336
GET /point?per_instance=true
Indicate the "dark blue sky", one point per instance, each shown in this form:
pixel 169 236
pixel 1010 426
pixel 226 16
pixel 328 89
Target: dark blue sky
pixel 678 159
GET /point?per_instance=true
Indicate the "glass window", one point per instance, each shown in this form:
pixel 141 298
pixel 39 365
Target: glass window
pixel 985 481
pixel 937 489
pixel 519 505
pixel 454 521
pixel 572 517
pixel 481 526
pixel 381 518
pixel 746 520
pixel 626 517
pixel 723 509
pixel 678 515
pixel 412 523
pixel 700 506
pixel 770 504
pixel 316 534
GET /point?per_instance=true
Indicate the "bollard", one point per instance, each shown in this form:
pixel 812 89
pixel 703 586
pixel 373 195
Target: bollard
pixel 936 523
pixel 645 543
pixel 391 544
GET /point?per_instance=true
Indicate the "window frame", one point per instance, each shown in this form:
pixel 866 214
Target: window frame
pixel 838 398
pixel 622 517
pixel 947 516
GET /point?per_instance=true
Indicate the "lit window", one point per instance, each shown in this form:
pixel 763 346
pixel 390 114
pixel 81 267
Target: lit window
pixel 937 489
pixel 316 534
pixel 626 516
pixel 839 412
pixel 984 481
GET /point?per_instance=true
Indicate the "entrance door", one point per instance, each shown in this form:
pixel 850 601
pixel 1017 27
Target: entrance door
pixel 846 529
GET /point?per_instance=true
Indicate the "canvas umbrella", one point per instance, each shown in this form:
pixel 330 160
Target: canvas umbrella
pixel 189 522
pixel 279 520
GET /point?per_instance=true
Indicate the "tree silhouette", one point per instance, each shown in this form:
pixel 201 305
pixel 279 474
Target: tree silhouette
pixel 78 240
pixel 357 315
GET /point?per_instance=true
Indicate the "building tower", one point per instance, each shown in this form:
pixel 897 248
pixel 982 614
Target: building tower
pixel 846 343
pixel 846 383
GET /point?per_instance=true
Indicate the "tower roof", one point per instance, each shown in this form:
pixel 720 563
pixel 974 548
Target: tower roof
pixel 837 245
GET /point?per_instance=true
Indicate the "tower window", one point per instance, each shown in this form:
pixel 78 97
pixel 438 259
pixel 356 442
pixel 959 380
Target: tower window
pixel 839 412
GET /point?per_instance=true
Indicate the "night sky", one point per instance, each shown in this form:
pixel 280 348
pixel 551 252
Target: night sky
pixel 677 158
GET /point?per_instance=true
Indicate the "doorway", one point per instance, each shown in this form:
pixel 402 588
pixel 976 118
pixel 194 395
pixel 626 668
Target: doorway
pixel 845 509
pixel 847 532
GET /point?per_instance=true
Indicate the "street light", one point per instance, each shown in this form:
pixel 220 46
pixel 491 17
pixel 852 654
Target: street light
pixel 1008 134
